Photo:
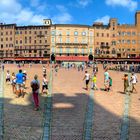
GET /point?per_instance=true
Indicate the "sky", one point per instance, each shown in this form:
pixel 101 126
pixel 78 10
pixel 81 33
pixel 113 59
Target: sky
pixel 86 12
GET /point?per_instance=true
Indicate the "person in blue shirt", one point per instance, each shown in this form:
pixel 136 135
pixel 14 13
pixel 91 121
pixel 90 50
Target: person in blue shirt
pixel 19 84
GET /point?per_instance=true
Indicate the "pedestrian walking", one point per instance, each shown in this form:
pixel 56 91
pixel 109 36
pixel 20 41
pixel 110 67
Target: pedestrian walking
pixel 13 83
pixel 2 67
pixel 78 68
pixel 45 84
pixel 8 77
pixel 44 70
pixel 134 81
pixel 24 78
pixel 82 67
pixel 94 81
pixel 110 83
pixel 86 78
pixel 56 69
pixel 126 82
pixel 35 85
pixel 106 79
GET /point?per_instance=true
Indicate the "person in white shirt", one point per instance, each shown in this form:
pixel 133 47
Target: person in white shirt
pixel 8 76
pixel 106 79
pixel 44 84
pixel 13 82
pixel 86 78
pixel 133 81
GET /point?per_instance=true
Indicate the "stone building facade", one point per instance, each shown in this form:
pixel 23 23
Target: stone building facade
pixel 70 41
pixel 24 42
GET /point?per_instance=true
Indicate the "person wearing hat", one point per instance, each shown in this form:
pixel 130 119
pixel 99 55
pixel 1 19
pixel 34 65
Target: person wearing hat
pixel 35 85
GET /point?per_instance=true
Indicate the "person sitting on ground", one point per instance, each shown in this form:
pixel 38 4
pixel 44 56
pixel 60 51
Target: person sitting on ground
pixel 35 85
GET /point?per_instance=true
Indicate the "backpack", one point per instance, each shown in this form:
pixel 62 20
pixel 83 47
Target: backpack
pixel 35 86
pixel 110 81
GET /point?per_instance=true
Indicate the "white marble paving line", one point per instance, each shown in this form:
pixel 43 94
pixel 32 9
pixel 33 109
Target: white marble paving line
pixel 1 104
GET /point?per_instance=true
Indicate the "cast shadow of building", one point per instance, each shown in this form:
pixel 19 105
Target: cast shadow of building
pixel 67 120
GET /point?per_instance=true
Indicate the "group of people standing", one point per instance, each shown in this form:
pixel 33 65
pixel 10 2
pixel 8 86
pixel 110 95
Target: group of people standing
pixel 128 81
pixel 18 82
pixel 93 79
pixel 126 67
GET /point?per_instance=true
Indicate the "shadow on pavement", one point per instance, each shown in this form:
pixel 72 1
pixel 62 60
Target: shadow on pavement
pixel 69 118
pixel 121 92
pixel 22 123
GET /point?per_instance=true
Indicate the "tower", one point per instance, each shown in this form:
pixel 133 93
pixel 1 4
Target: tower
pixel 113 23
pixel 47 22
pixel 137 19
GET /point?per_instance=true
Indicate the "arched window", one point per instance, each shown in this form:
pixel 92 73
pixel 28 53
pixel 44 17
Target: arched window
pixel 113 51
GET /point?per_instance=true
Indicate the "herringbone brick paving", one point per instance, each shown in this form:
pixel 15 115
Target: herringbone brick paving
pixel 20 121
pixel 69 105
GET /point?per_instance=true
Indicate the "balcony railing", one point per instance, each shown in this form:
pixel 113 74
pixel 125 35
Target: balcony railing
pixel 24 49
pixel 71 43
pixel 40 35
pixel 104 47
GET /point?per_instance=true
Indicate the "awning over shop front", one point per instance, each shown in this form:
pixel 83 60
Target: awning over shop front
pixel 8 59
pixel 72 58
pixel 32 59
pixel 119 59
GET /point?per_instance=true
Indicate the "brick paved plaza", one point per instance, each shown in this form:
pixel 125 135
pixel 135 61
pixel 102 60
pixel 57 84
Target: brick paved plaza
pixel 70 106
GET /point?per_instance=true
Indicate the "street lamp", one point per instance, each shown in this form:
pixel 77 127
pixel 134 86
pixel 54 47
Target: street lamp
pixel 52 58
pixel 90 57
